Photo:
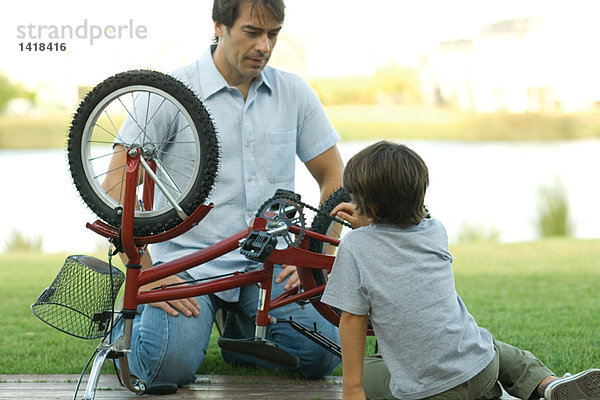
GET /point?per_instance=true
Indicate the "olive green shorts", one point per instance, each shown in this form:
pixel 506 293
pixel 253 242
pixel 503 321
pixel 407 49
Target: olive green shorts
pixel 519 372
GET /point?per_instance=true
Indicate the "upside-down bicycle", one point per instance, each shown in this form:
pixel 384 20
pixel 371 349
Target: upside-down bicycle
pixel 151 201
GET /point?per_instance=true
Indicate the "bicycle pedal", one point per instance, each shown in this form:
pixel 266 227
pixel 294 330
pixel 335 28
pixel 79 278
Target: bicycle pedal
pixel 258 246
pixel 160 388
pixel 263 349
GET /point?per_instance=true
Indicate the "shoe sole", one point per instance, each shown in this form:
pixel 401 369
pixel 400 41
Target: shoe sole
pixel 583 386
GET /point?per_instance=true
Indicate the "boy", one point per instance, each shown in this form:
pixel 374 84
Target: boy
pixel 396 269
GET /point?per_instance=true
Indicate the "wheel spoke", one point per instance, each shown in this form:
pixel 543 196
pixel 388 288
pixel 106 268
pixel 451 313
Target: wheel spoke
pixel 109 171
pixel 112 123
pixel 156 111
pixel 133 102
pixel 120 183
pixel 172 122
pixel 103 156
pixel 169 180
pixel 142 131
pixel 171 154
pixel 147 109
pixel 177 172
pixel 161 186
pixel 175 134
pixel 100 142
pixel 105 130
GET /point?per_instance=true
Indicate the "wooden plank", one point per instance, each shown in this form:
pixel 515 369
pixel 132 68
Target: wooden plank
pixel 206 387
pixel 55 387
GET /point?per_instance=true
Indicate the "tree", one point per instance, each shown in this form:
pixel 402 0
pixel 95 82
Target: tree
pixel 9 91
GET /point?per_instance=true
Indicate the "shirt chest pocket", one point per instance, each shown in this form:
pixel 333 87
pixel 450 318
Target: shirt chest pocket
pixel 277 156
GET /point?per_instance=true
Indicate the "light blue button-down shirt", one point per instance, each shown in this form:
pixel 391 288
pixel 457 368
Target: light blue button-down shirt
pixel 259 138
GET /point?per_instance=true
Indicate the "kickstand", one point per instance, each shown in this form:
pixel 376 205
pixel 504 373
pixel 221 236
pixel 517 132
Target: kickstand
pixel 315 336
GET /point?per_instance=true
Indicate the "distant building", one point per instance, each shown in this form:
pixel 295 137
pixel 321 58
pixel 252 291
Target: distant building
pixel 517 65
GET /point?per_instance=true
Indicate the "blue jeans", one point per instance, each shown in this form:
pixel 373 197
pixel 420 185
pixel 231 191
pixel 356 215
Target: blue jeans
pixel 171 349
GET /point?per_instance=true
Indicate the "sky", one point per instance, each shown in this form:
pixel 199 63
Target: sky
pixel 320 37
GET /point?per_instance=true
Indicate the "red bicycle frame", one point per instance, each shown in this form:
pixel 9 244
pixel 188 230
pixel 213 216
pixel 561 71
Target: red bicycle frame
pixel 134 246
pixel 136 278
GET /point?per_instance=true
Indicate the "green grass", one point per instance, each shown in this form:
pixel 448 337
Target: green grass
pixel 540 296
pixel 366 122
pixel 29 346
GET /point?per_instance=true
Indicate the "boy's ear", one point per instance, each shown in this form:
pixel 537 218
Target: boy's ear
pixel 371 211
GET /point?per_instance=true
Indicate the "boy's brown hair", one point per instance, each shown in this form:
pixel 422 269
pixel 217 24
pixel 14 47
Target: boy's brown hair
pixel 387 182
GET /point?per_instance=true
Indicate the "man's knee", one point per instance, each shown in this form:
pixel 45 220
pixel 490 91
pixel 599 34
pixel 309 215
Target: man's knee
pixel 318 362
pixel 167 348
pixel 315 360
pixel 176 367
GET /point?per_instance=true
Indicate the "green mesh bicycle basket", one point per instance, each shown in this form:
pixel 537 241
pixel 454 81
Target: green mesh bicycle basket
pixel 80 300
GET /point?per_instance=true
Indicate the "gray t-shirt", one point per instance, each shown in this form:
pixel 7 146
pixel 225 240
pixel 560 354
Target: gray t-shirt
pixel 403 279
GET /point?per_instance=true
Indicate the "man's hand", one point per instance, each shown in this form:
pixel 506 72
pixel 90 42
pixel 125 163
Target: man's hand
pixel 348 212
pixel 293 280
pixel 187 306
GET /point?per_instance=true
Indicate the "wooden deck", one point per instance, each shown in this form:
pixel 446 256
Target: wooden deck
pixel 54 387
pixel 207 387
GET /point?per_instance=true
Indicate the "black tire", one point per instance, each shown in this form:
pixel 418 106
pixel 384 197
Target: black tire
pixel 93 130
pixel 314 277
pixel 326 226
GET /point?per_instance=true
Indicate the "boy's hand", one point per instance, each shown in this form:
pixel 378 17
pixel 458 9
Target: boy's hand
pixel 348 213
pixel 353 393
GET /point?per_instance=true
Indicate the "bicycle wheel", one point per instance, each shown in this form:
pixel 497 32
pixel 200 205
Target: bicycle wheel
pixel 314 277
pixel 317 277
pixel 156 116
pixel 327 226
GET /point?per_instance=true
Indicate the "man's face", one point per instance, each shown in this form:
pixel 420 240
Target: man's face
pixel 248 44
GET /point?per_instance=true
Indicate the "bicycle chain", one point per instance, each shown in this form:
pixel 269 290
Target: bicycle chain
pixel 301 203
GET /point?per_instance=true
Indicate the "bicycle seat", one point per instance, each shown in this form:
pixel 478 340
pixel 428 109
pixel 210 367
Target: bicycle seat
pixel 263 349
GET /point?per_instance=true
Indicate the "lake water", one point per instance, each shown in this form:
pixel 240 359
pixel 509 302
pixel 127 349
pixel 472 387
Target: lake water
pixel 491 185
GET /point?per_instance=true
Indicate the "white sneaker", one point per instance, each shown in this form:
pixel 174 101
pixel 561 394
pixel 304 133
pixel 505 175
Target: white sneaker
pixel 582 386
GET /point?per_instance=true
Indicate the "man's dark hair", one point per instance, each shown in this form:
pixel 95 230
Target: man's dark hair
pixel 388 182
pixel 226 11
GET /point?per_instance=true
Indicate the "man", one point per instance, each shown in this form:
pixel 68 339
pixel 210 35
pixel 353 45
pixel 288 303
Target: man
pixel 264 117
